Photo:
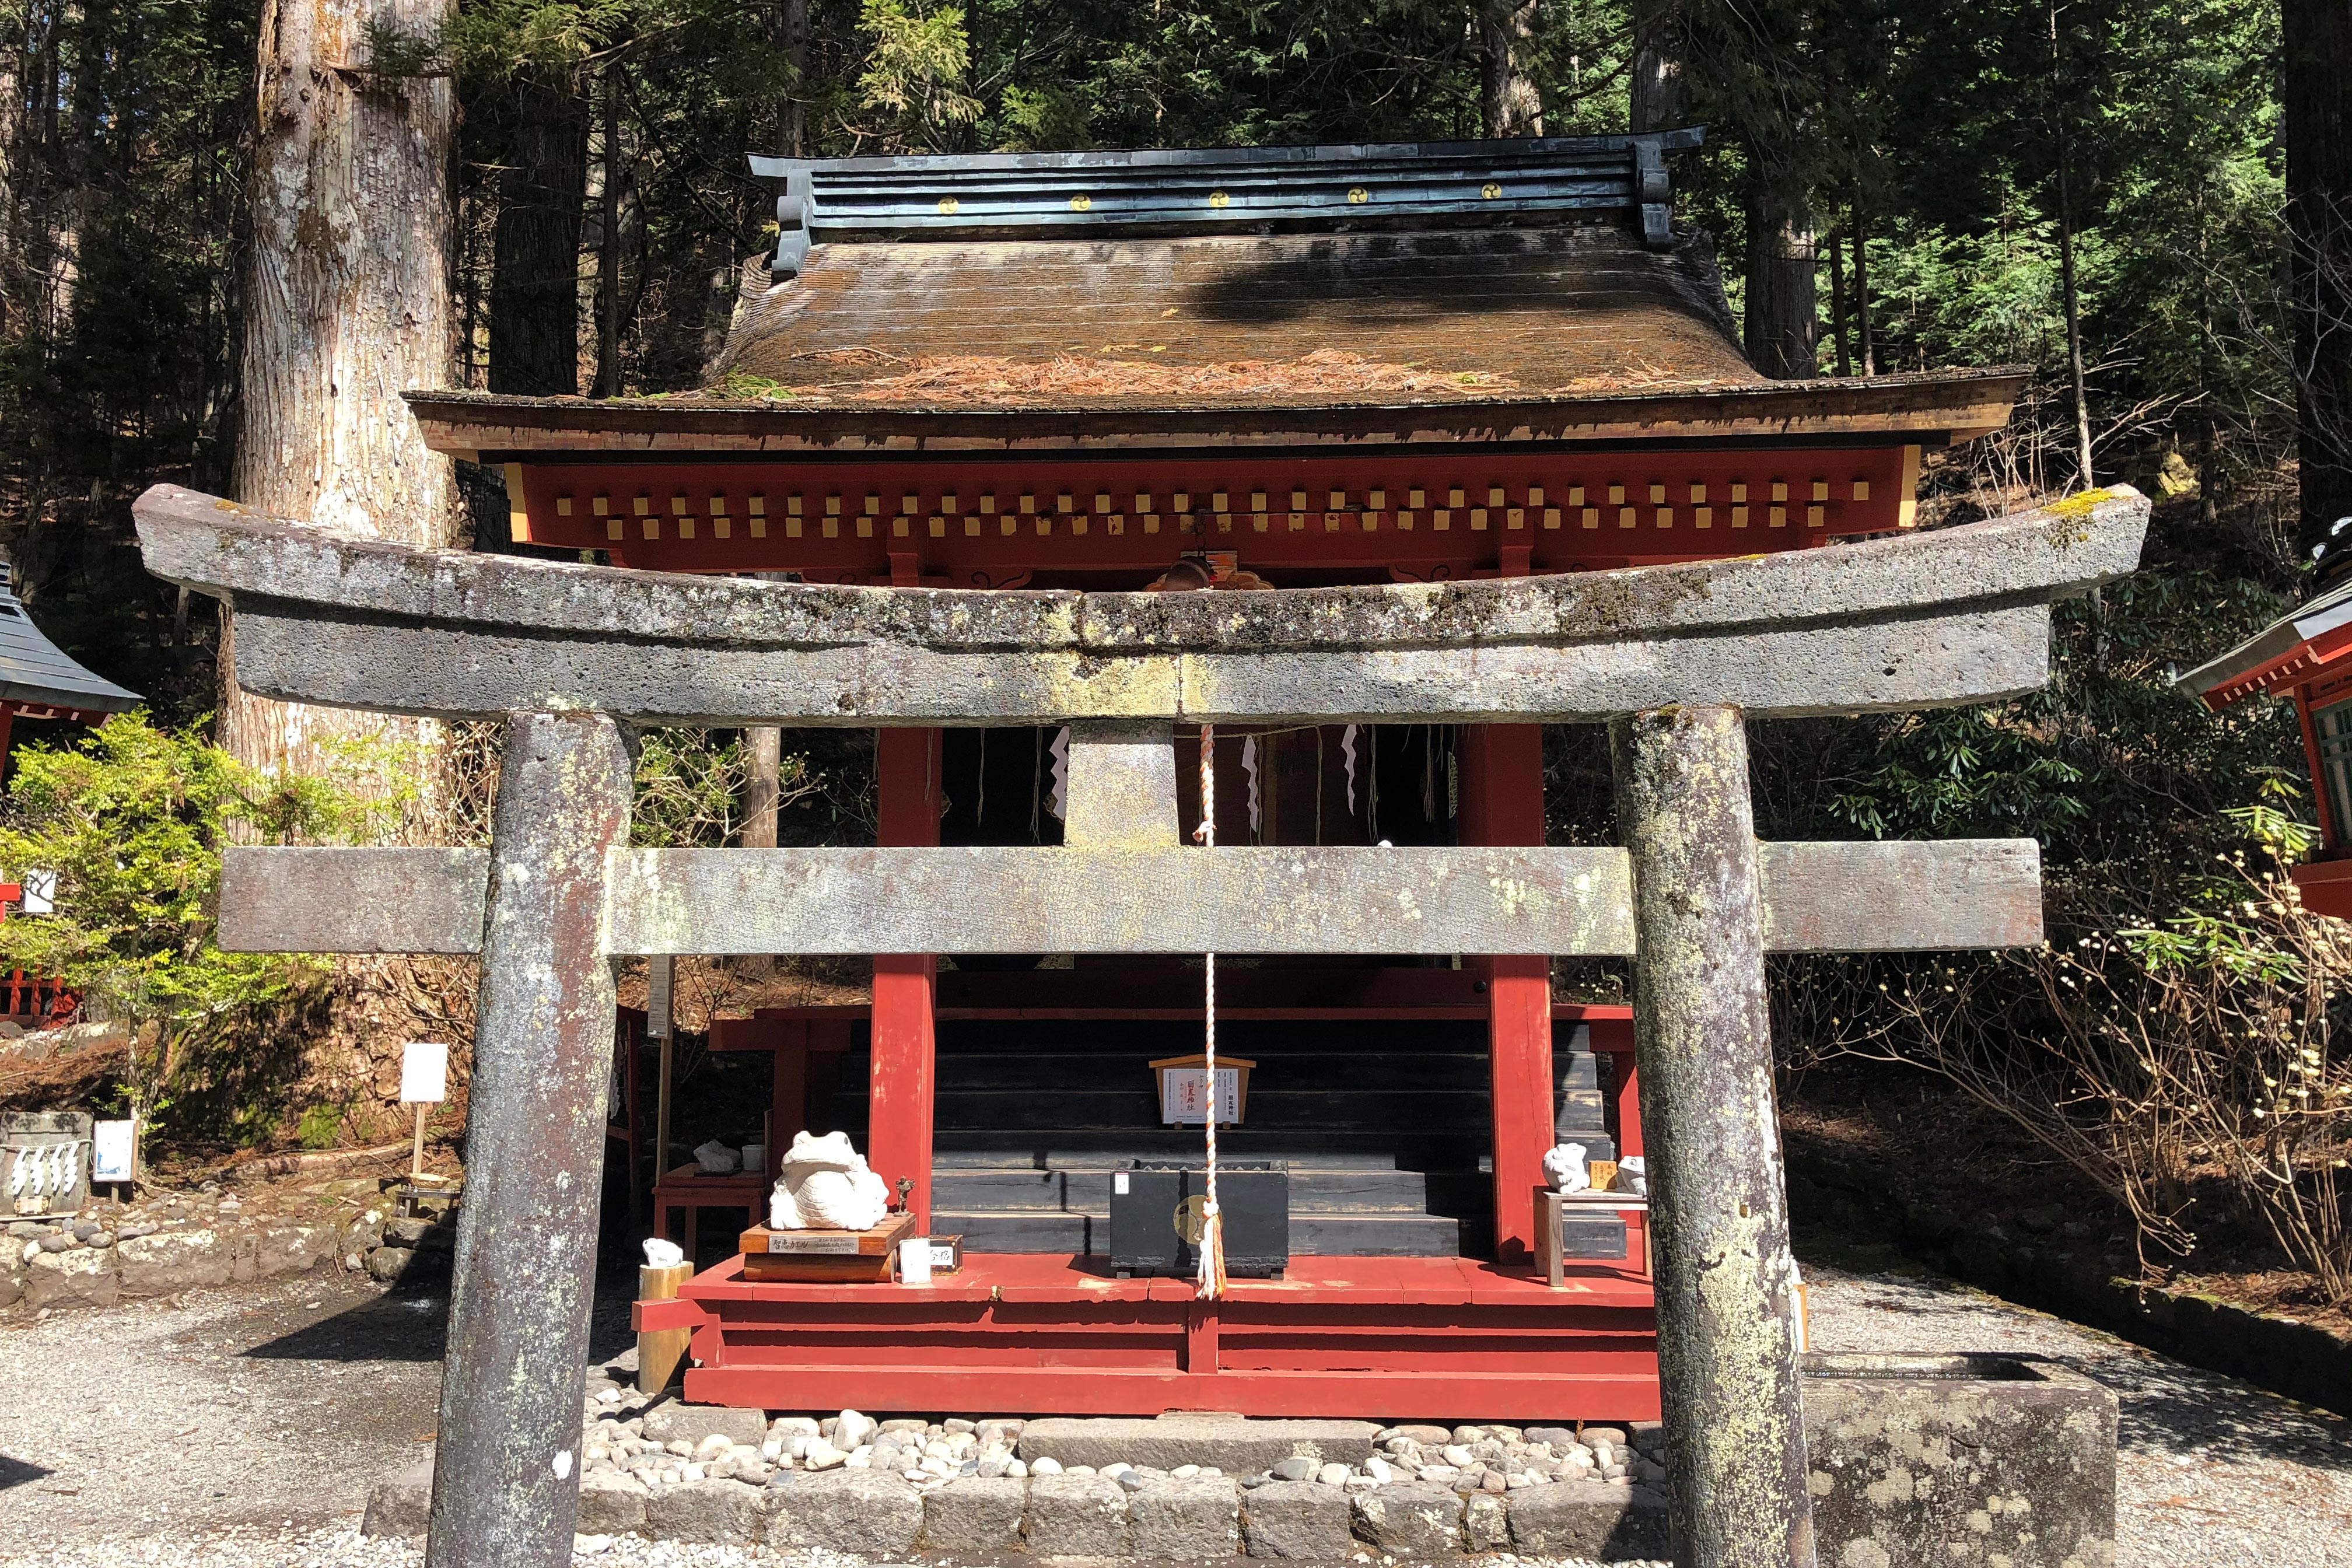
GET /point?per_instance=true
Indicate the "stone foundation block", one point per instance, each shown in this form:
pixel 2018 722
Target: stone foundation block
pixel 1963 1458
pixel 170 1261
pixel 1234 1445
pixel 719 1513
pixel 1606 1519
pixel 1078 1516
pixel 296 1249
pixel 667 1424
pixel 975 1518
pixel 1409 1521
pixel 401 1503
pixel 1296 1519
pixel 870 1513
pixel 611 1504
pixel 1487 1524
pixel 1184 1520
pixel 84 1277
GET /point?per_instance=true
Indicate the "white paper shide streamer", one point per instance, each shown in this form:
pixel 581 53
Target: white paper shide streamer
pixel 1057 799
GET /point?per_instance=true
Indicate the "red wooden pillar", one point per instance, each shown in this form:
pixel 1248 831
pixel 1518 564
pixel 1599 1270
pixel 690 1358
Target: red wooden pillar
pixel 898 1134
pixel 1502 803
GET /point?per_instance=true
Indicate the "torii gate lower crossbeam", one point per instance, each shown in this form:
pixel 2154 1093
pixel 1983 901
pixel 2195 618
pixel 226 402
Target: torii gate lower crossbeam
pixel 571 654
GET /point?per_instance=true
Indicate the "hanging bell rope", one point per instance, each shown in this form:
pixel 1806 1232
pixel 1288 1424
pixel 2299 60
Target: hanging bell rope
pixel 1212 1275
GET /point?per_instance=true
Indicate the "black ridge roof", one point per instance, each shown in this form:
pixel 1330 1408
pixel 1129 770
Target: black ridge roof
pixel 35 672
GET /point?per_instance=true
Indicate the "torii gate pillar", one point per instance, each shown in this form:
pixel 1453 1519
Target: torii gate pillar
pixel 1718 1197
pixel 506 1482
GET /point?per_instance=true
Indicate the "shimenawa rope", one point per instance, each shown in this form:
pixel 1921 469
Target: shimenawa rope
pixel 1212 1275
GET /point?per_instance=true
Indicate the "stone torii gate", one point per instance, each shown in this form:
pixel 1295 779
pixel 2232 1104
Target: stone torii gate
pixel 1672 657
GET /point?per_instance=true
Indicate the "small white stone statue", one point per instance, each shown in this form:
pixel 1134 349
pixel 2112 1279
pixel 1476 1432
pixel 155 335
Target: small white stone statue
pixel 662 1254
pixel 718 1159
pixel 825 1185
pixel 1565 1169
pixel 1633 1176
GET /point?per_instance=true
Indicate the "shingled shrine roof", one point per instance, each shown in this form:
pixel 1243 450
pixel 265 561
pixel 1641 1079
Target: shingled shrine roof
pixel 37 678
pixel 1477 290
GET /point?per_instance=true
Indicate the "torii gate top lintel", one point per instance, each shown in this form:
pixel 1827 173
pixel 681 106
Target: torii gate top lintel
pixel 1916 620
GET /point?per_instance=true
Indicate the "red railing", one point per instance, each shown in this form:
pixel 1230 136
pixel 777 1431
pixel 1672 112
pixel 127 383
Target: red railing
pixel 47 1001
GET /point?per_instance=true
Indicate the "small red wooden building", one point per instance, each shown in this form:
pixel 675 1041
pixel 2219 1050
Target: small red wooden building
pixel 2306 658
pixel 1218 370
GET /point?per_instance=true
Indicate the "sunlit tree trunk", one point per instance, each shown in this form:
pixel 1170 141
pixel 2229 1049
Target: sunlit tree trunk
pixel 348 307
pixel 1508 102
pixel 1782 327
pixel 1657 68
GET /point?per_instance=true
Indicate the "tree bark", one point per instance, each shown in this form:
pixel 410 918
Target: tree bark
pixel 348 306
pixel 1837 303
pixel 1508 99
pixel 1657 70
pixel 1864 344
pixel 792 38
pixel 2073 300
pixel 608 241
pixel 1783 328
pixel 2317 38
pixel 535 246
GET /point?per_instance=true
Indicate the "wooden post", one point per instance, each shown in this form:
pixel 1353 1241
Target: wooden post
pixel 416 1149
pixel 1502 795
pixel 1727 1349
pixel 661 971
pixel 788 1093
pixel 506 1482
pixel 899 1129
pixel 660 1350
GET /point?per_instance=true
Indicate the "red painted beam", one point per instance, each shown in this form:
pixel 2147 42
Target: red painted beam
pixel 899 1125
pixel 1420 516
pixel 1503 803
pixel 678 1313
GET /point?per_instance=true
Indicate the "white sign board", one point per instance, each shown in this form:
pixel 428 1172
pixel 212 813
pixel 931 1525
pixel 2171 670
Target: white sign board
pixel 40 897
pixel 423 1072
pixel 1184 1096
pixel 112 1145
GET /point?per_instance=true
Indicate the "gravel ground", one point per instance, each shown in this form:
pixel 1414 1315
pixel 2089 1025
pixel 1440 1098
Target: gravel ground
pixel 245 1428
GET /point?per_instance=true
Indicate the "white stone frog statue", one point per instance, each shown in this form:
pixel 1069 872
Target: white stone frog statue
pixel 826 1186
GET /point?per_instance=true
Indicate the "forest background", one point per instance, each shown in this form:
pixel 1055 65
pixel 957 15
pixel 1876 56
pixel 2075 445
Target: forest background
pixel 2099 189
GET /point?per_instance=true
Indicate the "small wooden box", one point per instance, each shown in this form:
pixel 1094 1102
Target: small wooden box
pixel 827 1254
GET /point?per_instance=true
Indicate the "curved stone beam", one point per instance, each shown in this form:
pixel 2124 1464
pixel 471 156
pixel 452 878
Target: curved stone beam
pixel 1916 620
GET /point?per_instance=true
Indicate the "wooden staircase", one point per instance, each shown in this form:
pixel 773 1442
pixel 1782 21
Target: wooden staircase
pixel 1384 1124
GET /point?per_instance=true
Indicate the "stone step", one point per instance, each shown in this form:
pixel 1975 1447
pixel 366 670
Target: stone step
pixel 1312 1235
pixel 1312 1191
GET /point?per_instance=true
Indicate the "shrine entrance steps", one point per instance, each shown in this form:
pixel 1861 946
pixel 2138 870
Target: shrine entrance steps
pixel 1353 1205
pixel 1385 1125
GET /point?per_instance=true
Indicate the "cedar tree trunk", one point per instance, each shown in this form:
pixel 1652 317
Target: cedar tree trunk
pixel 535 246
pixel 349 307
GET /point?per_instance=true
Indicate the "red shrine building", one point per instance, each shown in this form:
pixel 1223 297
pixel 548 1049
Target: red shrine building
pixel 1218 370
pixel 2305 657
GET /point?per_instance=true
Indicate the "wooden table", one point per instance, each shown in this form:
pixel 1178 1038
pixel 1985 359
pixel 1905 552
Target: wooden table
pixel 1551 1207
pixel 689 1188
